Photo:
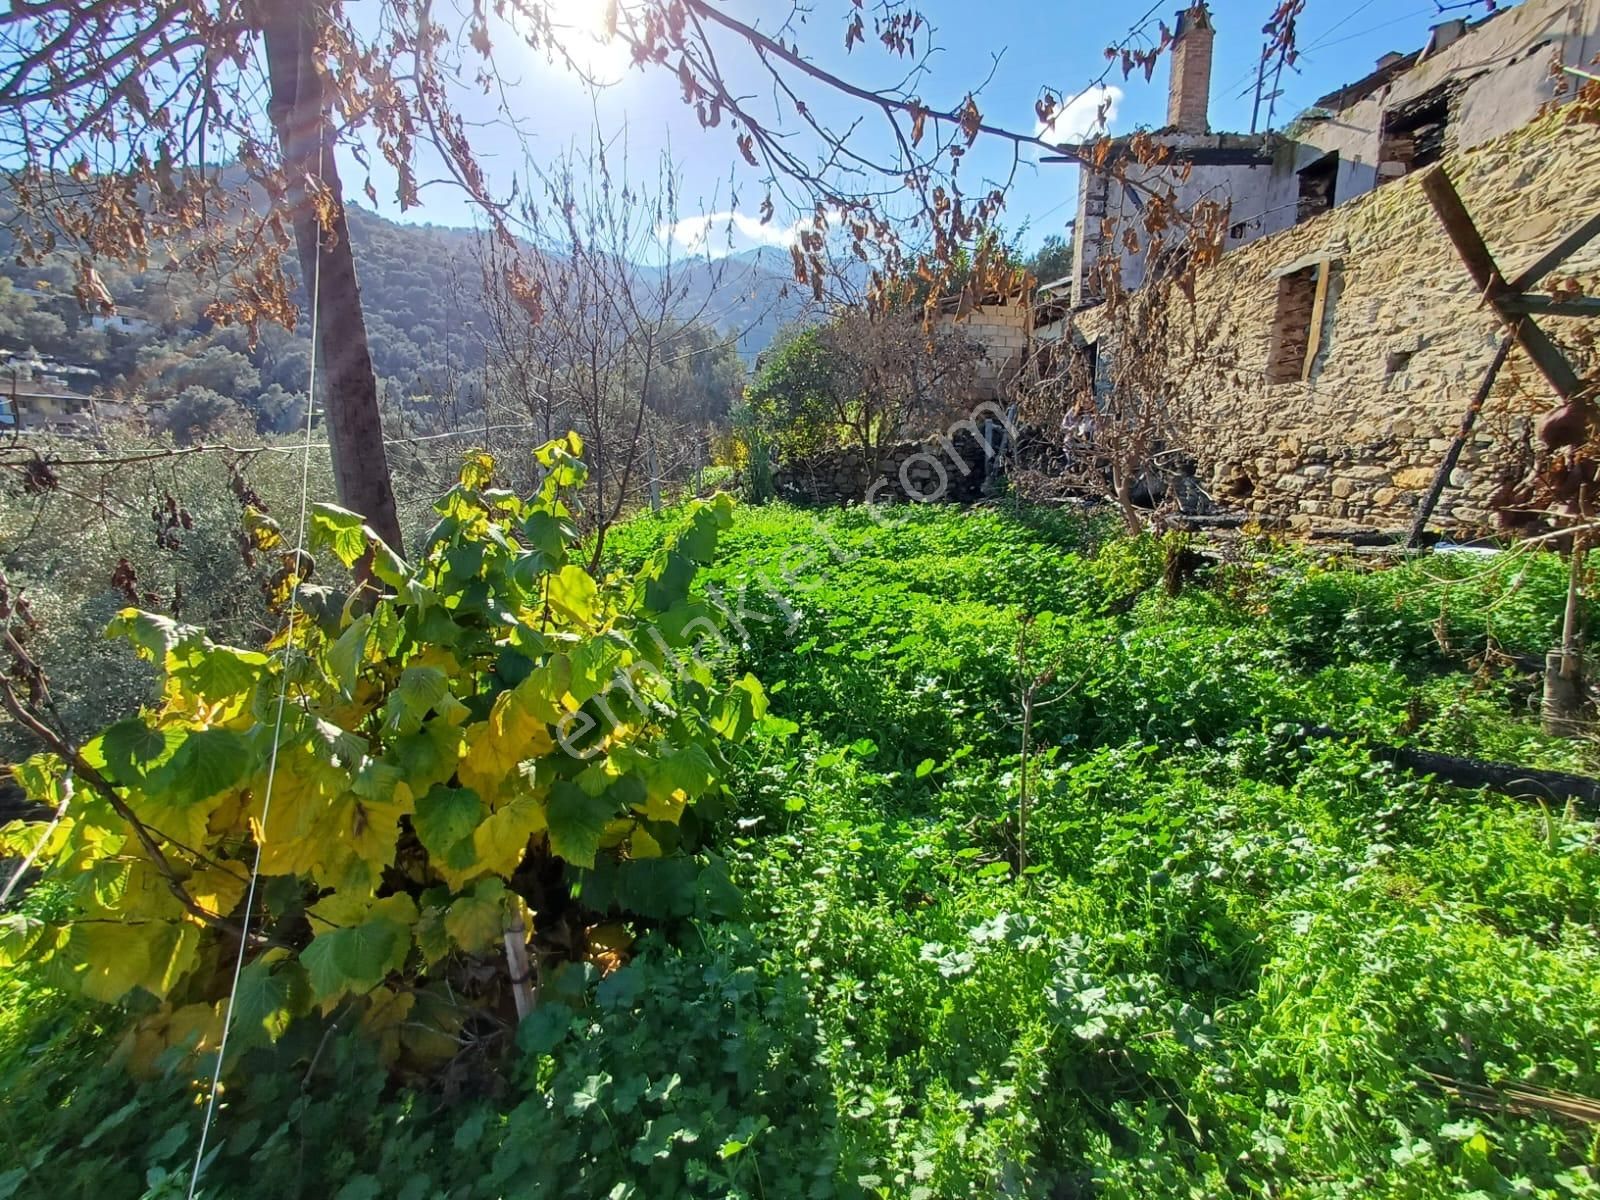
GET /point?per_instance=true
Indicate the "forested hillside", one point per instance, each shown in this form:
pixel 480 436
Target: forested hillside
pixel 430 327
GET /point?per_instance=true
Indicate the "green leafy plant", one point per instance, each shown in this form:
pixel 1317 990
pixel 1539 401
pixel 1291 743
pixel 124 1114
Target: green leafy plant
pixel 1242 962
pixel 413 768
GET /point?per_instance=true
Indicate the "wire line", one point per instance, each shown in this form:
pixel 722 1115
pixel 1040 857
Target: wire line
pixel 1344 20
pixel 277 730
pixel 133 458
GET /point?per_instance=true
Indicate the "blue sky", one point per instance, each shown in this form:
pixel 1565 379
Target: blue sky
pixel 1056 43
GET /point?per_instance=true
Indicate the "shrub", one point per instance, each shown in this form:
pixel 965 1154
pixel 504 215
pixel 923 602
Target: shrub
pixel 451 748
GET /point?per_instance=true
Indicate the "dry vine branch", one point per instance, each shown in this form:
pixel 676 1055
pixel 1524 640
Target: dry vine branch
pixel 1119 412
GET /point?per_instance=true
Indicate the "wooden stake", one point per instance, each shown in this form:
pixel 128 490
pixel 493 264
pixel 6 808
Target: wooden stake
pixel 516 938
pixel 1469 244
pixel 1453 455
pixel 1562 706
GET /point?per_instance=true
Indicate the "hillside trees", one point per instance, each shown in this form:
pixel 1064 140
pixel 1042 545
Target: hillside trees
pixel 582 335
pixel 198 413
pixel 865 378
pixel 216 368
pixel 24 323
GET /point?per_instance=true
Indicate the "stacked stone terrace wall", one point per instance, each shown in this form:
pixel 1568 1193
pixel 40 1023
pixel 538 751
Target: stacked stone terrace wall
pixel 948 469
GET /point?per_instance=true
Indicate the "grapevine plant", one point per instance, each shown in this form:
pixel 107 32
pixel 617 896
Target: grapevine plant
pixel 455 750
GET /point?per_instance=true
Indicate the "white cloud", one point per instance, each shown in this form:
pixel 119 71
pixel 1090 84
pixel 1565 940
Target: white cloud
pixel 1087 115
pixel 719 233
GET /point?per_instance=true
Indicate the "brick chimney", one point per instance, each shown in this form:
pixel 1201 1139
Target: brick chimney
pixel 1189 94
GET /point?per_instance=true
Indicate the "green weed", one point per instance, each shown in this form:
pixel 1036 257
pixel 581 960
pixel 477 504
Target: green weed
pixel 1236 963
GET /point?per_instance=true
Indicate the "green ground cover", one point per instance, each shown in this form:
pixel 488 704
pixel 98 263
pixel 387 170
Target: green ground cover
pixel 1235 963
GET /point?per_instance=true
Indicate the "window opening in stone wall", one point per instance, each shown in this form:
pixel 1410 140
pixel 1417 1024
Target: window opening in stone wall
pixel 1317 183
pixel 1291 326
pixel 1414 135
pixel 1086 366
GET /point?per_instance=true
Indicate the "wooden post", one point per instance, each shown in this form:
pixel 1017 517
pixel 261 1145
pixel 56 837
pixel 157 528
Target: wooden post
pixel 1453 455
pixel 1562 706
pixel 1558 254
pixel 516 939
pixel 1469 244
pixel 1319 310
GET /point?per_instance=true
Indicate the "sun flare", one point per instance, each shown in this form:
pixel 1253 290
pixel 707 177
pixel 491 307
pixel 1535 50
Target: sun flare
pixel 581 29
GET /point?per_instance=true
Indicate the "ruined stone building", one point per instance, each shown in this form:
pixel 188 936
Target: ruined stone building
pixel 1471 83
pixel 1352 333
pixel 1003 326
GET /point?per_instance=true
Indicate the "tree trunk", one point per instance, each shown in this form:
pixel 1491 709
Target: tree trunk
pixel 349 386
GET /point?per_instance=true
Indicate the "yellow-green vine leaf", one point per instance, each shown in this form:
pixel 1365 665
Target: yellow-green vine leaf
pixel 112 958
pixel 431 936
pixel 444 820
pixel 217 673
pixel 25 938
pixel 132 749
pixel 571 591
pixel 339 530
pixel 744 705
pixel 388 566
pixel 154 636
pixel 426 757
pixel 542 692
pixel 346 656
pixel 419 690
pixel 271 993
pixel 477 470
pixel 385 1016
pixel 502 840
pixel 208 762
pixel 475 919
pixel 355 959
pixel 550 535
pixel 344 532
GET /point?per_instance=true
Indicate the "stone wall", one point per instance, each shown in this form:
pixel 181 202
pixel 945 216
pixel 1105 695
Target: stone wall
pixel 1404 342
pixel 950 469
